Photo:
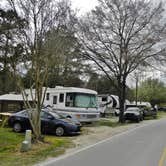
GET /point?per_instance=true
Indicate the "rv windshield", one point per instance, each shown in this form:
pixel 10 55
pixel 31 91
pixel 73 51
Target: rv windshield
pixel 82 100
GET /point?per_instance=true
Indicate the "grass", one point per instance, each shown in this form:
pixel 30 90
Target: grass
pixel 161 114
pixel 10 154
pixel 110 123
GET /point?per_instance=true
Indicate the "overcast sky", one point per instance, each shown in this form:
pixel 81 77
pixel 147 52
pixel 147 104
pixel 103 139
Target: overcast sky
pixel 84 5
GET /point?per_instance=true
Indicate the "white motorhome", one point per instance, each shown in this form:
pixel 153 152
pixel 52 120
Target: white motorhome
pixel 78 103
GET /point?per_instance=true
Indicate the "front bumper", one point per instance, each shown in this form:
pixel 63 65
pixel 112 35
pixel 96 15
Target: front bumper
pixel 131 117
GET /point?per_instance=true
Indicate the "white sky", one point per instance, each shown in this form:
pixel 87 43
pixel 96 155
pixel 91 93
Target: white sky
pixel 84 5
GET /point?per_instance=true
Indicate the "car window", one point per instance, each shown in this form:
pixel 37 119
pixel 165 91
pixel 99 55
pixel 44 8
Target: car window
pixel 133 109
pixel 23 113
pixel 57 116
pixel 45 115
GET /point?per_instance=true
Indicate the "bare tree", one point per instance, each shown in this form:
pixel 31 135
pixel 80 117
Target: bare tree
pixel 42 16
pixel 120 35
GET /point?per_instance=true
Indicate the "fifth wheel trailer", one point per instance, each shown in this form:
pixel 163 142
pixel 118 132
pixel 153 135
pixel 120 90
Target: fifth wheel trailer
pixel 109 104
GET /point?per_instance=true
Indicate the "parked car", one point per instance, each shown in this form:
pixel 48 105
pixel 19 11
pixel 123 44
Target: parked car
pixel 51 122
pixel 149 113
pixel 162 109
pixel 133 114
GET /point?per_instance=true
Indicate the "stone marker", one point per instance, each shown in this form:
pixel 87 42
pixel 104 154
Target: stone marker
pixel 28 137
pixel 26 144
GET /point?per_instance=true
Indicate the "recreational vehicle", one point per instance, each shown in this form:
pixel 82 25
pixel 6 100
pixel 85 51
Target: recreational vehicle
pixel 109 104
pixel 77 103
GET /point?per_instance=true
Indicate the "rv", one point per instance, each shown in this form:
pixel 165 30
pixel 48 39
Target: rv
pixel 71 102
pixel 109 104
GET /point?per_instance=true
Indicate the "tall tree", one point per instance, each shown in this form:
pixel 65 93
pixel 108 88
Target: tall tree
pixel 66 66
pixel 11 48
pixel 69 67
pixel 42 16
pixel 120 35
pixel 153 91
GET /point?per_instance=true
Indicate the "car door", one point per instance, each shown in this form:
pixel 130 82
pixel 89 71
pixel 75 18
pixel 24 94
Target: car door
pixel 47 122
pixel 23 118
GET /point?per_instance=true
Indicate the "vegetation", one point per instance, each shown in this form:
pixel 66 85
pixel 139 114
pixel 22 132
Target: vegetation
pixel 161 114
pixel 153 91
pixel 109 123
pixel 46 41
pixel 11 48
pixel 10 151
pixel 39 47
pixel 118 36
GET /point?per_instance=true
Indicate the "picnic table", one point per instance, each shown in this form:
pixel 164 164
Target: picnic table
pixel 4 117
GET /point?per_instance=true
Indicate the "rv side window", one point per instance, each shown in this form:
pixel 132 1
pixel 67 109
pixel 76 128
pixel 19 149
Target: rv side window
pixel 69 99
pixel 61 97
pixel 54 99
pixel 48 96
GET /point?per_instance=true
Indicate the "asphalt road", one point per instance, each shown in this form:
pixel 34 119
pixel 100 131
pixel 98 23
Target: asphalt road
pixel 143 146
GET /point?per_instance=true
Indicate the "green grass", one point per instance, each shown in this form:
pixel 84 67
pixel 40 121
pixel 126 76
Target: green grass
pixel 10 144
pixel 161 114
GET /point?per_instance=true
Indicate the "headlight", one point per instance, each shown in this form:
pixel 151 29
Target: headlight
pixel 137 113
pixel 71 123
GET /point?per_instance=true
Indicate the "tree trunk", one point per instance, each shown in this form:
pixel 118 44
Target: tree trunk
pixel 122 98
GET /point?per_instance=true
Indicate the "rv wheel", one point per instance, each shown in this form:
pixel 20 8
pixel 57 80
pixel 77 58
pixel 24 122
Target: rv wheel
pixel 68 116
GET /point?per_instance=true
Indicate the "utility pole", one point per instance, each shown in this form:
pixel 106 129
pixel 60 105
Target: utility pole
pixel 136 90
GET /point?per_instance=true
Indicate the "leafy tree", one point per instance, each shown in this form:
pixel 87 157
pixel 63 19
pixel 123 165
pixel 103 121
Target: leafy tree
pixel 69 66
pixel 43 16
pixel 101 84
pixel 153 91
pixel 120 35
pixel 11 48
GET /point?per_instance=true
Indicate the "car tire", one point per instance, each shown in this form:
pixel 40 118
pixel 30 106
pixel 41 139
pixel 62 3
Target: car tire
pixel 17 127
pixel 116 114
pixel 59 131
pixel 138 120
pixel 154 117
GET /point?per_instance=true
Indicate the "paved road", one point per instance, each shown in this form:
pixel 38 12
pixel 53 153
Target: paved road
pixel 142 146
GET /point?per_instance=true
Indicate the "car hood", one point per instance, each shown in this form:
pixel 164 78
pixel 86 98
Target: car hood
pixel 132 112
